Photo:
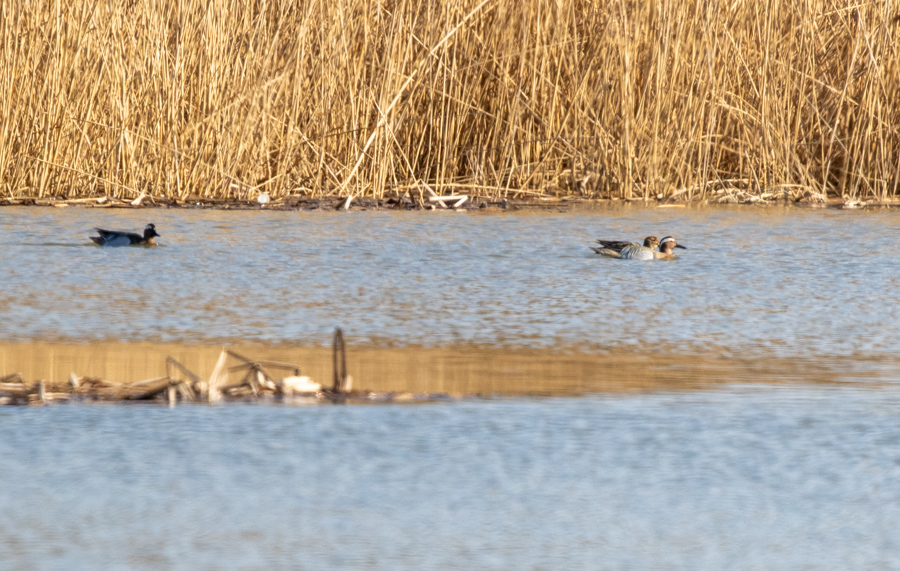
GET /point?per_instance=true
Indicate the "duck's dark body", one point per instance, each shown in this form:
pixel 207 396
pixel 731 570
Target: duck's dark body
pixel 118 238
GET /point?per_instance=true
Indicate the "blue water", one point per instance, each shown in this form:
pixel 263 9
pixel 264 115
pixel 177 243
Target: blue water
pixel 791 283
pixel 745 478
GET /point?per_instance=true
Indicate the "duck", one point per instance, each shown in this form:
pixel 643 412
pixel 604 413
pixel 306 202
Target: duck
pixel 666 245
pixel 118 238
pixel 628 250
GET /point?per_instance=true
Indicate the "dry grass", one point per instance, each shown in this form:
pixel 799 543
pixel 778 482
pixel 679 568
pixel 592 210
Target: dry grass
pixel 224 98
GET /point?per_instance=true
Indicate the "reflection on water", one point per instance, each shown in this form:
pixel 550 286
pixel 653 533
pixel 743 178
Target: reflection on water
pixel 742 478
pixel 455 370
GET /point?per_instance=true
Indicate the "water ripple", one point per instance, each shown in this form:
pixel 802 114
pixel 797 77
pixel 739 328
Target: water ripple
pixel 784 282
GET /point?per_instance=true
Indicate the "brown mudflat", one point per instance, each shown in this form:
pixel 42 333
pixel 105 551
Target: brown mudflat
pixel 455 370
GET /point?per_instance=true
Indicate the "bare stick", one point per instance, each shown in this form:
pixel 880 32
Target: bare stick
pixel 339 361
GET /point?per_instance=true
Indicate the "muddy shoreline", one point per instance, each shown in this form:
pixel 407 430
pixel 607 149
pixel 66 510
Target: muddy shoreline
pixel 457 371
pixel 473 203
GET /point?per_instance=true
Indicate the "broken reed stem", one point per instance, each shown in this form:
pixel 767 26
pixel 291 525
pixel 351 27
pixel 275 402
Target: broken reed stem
pixel 598 99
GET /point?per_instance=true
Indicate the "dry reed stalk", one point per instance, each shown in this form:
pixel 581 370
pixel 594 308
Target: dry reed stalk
pixel 218 99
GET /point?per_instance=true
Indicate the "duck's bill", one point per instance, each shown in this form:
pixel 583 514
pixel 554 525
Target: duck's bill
pixel 680 246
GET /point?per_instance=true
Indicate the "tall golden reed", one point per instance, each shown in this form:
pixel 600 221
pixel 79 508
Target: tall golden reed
pixel 222 99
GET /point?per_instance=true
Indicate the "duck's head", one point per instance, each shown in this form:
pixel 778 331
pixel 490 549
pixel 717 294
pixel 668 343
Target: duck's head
pixel 150 231
pixel 651 242
pixel 668 244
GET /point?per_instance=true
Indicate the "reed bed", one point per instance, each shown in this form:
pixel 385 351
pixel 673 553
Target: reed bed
pixel 670 99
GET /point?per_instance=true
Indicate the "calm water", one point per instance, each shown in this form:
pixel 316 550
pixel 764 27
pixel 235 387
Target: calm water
pixel 745 477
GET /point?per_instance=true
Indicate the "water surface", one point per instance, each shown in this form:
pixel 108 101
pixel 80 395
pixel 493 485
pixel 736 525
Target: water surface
pixel 792 462
pixel 761 281
pixel 802 286
pixel 742 478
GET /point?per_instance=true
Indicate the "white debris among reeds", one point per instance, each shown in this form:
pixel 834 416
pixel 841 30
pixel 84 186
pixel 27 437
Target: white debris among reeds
pixel 217 379
pixel 299 385
pixel 457 199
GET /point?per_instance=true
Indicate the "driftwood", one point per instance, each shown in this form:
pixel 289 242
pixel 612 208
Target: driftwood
pixel 457 199
pixel 14 390
pixel 13 387
pixel 235 377
pixel 12 378
pixel 146 390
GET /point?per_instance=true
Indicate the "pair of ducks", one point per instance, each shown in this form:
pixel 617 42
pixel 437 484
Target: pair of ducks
pixel 119 238
pixel 635 251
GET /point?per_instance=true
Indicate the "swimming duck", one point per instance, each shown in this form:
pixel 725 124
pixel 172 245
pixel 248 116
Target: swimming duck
pixel 117 238
pixel 628 250
pixel 666 245
pixel 635 251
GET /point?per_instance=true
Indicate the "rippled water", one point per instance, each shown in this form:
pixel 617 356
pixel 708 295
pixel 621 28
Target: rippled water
pixel 743 478
pixel 754 281
pixel 797 471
